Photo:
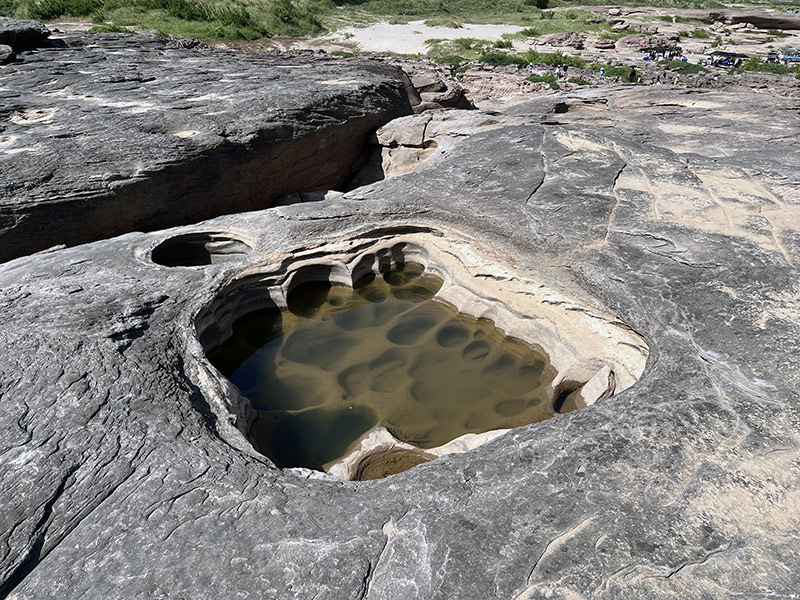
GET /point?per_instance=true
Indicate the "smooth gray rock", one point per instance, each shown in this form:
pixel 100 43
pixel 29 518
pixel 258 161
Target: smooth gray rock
pixel 22 33
pixel 676 210
pixel 6 54
pixel 120 132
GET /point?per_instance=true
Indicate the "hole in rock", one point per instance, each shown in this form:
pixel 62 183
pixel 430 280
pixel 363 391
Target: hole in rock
pixel 197 249
pixel 366 362
pixel 339 361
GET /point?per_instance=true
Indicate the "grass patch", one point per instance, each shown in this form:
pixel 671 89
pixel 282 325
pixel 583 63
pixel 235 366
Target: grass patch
pixel 700 33
pixel 343 54
pixel 656 3
pixel 756 64
pixel 547 78
pixel 579 81
pixel 683 68
pixel 626 74
pixel 554 59
pixel 611 35
pixel 502 59
pixel 205 19
pixel 467 48
pixel 777 33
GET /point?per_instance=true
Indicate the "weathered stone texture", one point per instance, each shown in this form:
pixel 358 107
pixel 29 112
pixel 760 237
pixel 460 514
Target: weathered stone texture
pixel 119 133
pixel 21 33
pixel 676 210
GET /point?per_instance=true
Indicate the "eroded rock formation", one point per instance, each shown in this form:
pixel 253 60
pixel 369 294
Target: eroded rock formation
pixel 124 473
pixel 98 140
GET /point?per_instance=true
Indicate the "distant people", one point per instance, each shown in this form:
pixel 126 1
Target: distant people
pixel 564 70
pixel 602 72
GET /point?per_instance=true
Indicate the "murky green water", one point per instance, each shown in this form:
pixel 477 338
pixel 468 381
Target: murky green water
pixel 340 361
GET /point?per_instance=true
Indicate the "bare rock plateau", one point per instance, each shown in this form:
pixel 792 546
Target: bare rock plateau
pixel 126 469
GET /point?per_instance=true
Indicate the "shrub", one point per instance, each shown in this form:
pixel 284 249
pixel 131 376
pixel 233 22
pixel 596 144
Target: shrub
pixel 700 33
pixel 777 33
pixel 501 59
pixel 547 78
pixel 503 44
pixel 684 68
pixel 451 59
pixel 554 59
pixel 47 10
pixel 343 54
pixel 756 64
pixel 578 81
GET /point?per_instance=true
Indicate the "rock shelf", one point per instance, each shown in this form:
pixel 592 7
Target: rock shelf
pixel 665 215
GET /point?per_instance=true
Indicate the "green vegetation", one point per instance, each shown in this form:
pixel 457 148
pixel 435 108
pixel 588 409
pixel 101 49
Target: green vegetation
pixel 252 19
pixel 657 3
pixel 756 64
pixel 554 59
pixel 205 19
pixel 547 78
pixel 626 74
pixel 464 48
pixel 700 33
pixel 777 33
pixel 503 44
pixel 683 68
pixel 502 59
pixel 543 23
pixel 343 54
pixel 579 81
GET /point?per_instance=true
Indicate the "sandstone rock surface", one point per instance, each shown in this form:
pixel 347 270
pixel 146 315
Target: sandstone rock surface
pixel 95 136
pixel 124 475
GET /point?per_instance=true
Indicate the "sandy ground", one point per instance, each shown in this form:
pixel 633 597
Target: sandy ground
pixel 410 38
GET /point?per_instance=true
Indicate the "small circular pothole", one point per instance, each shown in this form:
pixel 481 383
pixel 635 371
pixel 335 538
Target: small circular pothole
pixel 199 249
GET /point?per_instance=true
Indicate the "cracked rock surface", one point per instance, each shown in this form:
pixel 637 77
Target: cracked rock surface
pixel 96 132
pixel 675 210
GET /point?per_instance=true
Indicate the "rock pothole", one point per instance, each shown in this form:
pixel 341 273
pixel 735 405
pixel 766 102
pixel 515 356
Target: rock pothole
pixel 198 249
pixel 366 358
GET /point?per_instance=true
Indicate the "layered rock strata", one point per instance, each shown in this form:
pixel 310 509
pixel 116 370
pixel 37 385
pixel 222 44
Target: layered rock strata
pixel 116 133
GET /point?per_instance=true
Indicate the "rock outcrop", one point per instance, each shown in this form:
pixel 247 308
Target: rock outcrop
pixel 115 133
pixel 125 475
pixel 22 33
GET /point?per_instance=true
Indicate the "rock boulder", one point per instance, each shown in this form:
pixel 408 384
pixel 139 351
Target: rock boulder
pixel 22 33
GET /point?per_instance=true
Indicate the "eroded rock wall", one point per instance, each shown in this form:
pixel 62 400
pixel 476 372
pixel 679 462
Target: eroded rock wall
pixel 105 134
